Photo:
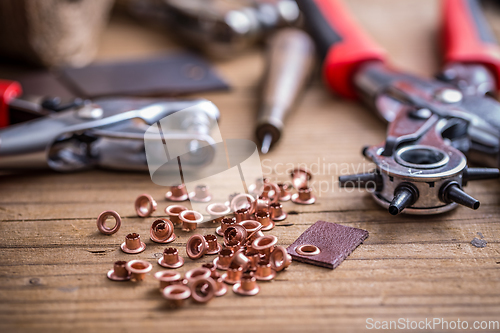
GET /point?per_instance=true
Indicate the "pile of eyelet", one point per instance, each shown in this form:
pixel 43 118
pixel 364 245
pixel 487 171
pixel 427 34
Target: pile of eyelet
pixel 245 256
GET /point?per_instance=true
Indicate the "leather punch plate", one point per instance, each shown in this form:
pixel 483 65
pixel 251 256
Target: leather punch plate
pixel 326 244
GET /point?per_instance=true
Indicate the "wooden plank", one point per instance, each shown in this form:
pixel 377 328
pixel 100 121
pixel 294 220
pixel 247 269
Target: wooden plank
pixel 53 262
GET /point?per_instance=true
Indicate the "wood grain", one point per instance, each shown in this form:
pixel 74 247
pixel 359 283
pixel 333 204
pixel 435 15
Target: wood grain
pixel 53 261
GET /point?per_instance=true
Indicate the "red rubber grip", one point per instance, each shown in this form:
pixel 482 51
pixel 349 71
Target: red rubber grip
pixel 347 45
pixel 466 36
pixel 8 91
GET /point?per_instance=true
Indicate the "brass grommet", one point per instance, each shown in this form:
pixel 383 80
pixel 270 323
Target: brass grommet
pixel 145 205
pixel 196 246
pixel 101 221
pixel 224 223
pixel 119 272
pixel 218 211
pixel 280 259
pixel 265 245
pixel 162 231
pixel 202 289
pixel 133 244
pixel 247 287
pixel 307 250
pixel 176 294
pixel 167 278
pixel 213 247
pixel 304 196
pixel 224 259
pixel 190 219
pixel 264 271
pixel 171 258
pixel 200 194
pixel 138 269
pixel 265 220
pixel 173 212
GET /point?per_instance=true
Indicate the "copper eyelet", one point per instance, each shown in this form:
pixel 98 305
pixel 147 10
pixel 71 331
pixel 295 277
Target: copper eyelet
pixel 133 244
pixel 145 205
pixel 119 272
pixel 213 247
pixel 265 245
pixel 280 259
pixel 168 278
pixel 264 271
pixel 240 260
pixel 247 287
pixel 176 294
pixel 307 250
pixel 171 258
pixel 196 246
pixel 218 211
pixel 138 269
pixel 300 177
pixel 173 212
pixel 224 224
pixel 235 233
pixel 190 219
pixel 202 289
pixel 265 220
pixel 101 222
pixel 242 215
pixel 177 193
pixel 253 227
pixel 304 196
pixel 242 201
pixel 285 194
pixel 233 275
pixel 201 194
pixel 197 272
pixel 276 212
pixel 221 288
pixel 224 259
pixel 162 231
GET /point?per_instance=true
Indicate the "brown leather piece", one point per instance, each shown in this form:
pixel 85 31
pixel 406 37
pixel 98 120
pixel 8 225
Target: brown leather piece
pixel 168 75
pixel 335 242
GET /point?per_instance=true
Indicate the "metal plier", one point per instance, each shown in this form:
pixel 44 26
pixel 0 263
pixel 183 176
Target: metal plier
pixel 107 132
pixel 435 125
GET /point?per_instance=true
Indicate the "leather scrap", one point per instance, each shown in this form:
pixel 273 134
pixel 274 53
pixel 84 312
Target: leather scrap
pixel 335 241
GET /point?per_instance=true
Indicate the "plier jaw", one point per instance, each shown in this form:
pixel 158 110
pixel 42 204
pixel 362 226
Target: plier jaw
pixel 435 126
pixel 107 133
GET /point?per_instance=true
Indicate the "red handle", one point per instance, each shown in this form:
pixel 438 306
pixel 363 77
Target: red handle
pixel 467 37
pixel 342 43
pixel 8 91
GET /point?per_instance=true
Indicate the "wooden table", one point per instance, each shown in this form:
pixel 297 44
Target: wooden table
pixel 54 261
